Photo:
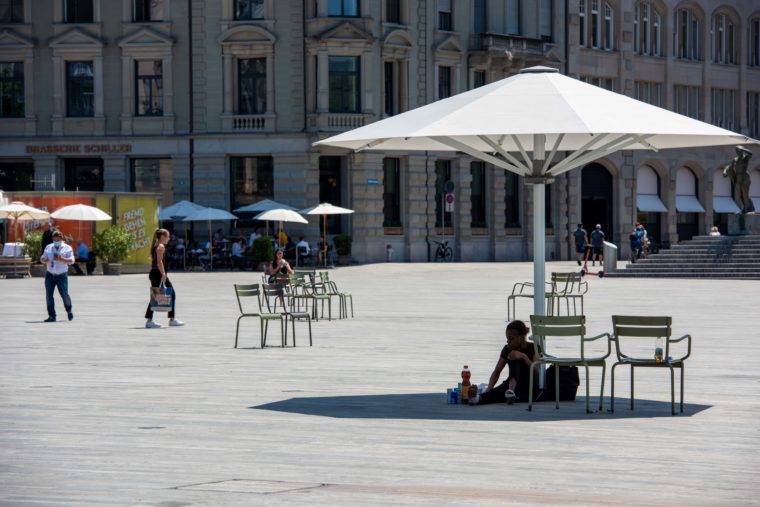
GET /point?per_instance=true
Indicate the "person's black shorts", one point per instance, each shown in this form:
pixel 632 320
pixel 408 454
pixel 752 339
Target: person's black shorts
pixel 580 248
pixel 598 250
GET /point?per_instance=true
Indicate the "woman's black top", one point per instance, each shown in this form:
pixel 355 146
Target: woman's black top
pixel 154 260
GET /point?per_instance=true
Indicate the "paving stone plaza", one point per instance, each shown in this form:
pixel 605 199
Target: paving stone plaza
pixel 102 412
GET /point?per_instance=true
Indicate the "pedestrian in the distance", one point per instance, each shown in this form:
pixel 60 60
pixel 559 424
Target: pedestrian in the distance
pixel 57 257
pixel 597 242
pixel 158 266
pixel 581 240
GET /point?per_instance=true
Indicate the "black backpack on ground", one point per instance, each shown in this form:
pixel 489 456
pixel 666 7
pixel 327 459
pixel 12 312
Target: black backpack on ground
pixel 568 383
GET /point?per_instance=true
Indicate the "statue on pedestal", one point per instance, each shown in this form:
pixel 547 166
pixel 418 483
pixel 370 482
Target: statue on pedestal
pixel 738 171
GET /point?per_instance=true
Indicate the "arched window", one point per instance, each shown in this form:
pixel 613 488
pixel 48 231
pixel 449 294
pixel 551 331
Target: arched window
pixel 648 191
pixel 724 39
pixel 647 30
pixel 597 24
pixel 722 200
pixel 688 27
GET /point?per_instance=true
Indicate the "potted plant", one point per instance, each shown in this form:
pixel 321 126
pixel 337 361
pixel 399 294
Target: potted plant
pixel 112 246
pixel 343 248
pixel 263 252
pixel 33 248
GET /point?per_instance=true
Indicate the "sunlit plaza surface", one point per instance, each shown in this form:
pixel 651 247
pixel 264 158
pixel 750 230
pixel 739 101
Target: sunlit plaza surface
pixel 100 411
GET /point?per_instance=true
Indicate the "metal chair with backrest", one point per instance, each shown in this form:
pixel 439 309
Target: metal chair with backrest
pixel 275 292
pixel 525 290
pixel 249 291
pixel 634 329
pixel 571 288
pixel 555 337
pixel 344 298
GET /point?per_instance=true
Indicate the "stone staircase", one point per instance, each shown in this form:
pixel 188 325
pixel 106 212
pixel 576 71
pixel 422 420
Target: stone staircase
pixel 736 257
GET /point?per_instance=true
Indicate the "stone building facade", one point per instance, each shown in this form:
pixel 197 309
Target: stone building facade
pixel 220 102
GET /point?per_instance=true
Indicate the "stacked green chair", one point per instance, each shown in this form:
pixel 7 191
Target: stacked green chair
pixel 254 291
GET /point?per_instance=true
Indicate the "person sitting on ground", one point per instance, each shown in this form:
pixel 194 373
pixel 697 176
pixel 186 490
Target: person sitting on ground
pixel 714 231
pixel 278 266
pixel 581 240
pixel 597 242
pixel 518 354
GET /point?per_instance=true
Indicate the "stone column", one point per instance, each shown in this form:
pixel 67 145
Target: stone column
pixel 46 167
pixel 461 175
pixel 496 178
pixel 115 173
pixel 323 83
pixel 369 245
pixel 418 219
pixel 229 78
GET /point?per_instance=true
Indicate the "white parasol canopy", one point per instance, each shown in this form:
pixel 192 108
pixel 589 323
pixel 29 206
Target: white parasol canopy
pixel 180 209
pixel 325 209
pixel 538 111
pixel 209 215
pixel 281 215
pixel 17 210
pixel 265 205
pixel 81 212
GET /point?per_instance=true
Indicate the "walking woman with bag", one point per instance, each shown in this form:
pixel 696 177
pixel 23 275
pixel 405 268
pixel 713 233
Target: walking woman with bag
pixel 157 275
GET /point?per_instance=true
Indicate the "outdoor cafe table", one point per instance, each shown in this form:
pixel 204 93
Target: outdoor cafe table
pixel 12 249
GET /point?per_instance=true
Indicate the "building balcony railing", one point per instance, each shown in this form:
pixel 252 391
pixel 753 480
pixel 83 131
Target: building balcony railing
pixel 520 47
pixel 337 122
pixel 248 123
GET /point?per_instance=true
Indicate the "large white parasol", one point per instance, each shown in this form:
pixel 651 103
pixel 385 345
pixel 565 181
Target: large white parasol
pixel 180 209
pixel 265 205
pixel 17 211
pixel 522 122
pixel 81 213
pixel 210 215
pixel 325 209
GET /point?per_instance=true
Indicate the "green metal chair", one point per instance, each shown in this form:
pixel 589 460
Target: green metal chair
pixel 634 329
pixel 525 290
pixel 566 334
pixel 253 290
pixel 344 298
pixel 275 292
pixel 569 287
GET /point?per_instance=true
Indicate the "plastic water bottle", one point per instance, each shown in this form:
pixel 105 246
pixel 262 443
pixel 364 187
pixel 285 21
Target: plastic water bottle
pixel 658 349
pixel 465 383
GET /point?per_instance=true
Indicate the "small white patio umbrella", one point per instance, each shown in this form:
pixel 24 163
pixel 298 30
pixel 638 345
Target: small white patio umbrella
pixel 81 212
pixel 178 210
pixel 520 124
pixel 265 205
pixel 325 209
pixel 18 211
pixel 209 215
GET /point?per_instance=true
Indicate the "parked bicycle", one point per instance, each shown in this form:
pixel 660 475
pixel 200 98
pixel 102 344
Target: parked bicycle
pixel 443 253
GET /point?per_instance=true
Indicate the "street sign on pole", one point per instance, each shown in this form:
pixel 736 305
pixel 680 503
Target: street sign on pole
pixel 449 200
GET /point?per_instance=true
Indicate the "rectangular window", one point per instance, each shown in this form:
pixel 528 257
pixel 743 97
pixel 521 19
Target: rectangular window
pixel 596 25
pixel 389 89
pixel 442 175
pixel 252 180
pixel 11 11
pixel 149 88
pixel 607 83
pixel 723 108
pixel 153 175
pixel 582 21
pixel 444 15
pixel 83 174
pixel 78 11
pixel 80 89
pixel 545 16
pixel 513 17
pixel 478 195
pixel 689 28
pixel 17 176
pixel 148 10
pixel 11 90
pixel 753 113
pixel 609 31
pixel 478 78
pixel 252 86
pixel 511 200
pixel 330 189
pixel 687 101
pixel 344 84
pixel 649 92
pixel 343 8
pixel 391 192
pixel 754 42
pixel 249 9
pixel 393 11
pixel 480 17
pixel 444 82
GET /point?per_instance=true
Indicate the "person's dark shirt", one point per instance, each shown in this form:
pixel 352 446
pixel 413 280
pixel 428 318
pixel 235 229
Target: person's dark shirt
pixel 597 238
pixel 47 238
pixel 529 349
pixel 580 237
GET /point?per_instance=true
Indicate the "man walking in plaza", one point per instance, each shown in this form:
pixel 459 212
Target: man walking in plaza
pixel 597 241
pixel 581 240
pixel 57 257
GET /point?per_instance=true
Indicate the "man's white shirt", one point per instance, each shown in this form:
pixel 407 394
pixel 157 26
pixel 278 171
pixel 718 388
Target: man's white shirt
pixel 58 266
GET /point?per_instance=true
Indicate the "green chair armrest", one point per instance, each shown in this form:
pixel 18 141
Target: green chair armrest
pixel 686 337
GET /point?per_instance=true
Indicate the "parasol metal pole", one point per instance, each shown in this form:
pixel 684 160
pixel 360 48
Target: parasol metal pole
pixel 539 181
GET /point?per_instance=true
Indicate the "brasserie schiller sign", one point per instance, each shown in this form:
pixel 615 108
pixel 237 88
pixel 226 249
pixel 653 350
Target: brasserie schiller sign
pixel 79 148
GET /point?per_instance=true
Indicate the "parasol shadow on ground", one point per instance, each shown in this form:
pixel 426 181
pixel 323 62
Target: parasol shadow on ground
pixel 432 406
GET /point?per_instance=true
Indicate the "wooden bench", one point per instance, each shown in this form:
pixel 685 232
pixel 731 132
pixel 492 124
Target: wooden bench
pixel 15 267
